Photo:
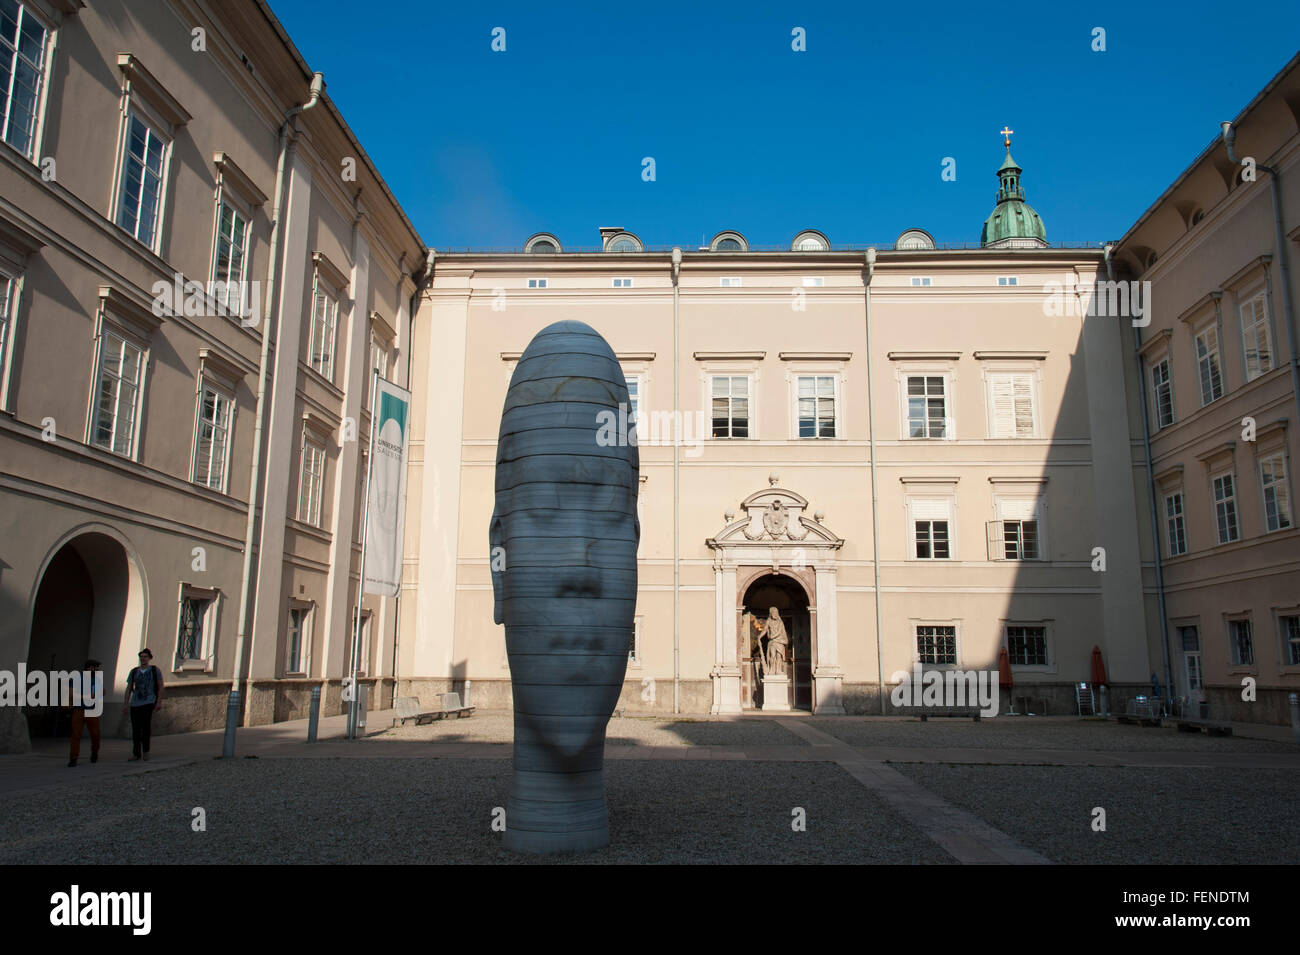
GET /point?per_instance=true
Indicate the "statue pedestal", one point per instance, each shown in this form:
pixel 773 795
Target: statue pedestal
pixel 776 693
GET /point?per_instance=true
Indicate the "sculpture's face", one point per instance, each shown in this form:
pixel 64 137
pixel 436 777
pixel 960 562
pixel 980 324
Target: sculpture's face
pixel 564 534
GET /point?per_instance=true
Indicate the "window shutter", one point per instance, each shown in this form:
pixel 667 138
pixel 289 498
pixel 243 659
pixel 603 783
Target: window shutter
pixel 1022 510
pixel 994 530
pixel 1004 416
pixel 1023 399
pixel 930 509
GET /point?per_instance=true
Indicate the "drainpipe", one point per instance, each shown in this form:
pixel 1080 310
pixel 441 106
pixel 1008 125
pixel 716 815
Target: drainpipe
pixel 1151 487
pixel 677 553
pixel 270 314
pixel 1229 141
pixel 868 272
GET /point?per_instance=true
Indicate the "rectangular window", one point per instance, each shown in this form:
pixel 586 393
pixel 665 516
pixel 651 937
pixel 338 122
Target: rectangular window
pixel 1027 646
pixel 140 199
pixel 1207 365
pixel 927 407
pixel 634 642
pixel 537 283
pixel 1290 626
pixel 936 645
pixel 1008 280
pixel 297 637
pixel 311 483
pixel 931 520
pixel 633 397
pixel 1225 508
pixel 816 406
pixel 1163 392
pixel 729 282
pixel 1277 503
pixel 813 281
pixel 622 283
pixel 730 406
pixel 1012 402
pixel 1174 523
pixel 193 623
pixel 920 281
pixel 6 321
pixel 1243 646
pixel 1020 540
pixel 213 439
pixel 117 394
pixel 228 265
pixel 324 325
pixel 1256 343
pixel 379 356
pixel 22 73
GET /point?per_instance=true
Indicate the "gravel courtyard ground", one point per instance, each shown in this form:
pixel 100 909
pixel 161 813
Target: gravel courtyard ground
pixel 381 810
pixel 1169 816
pixel 684 790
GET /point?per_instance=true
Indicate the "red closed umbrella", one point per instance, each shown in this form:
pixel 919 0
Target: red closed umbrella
pixel 1098 668
pixel 1004 678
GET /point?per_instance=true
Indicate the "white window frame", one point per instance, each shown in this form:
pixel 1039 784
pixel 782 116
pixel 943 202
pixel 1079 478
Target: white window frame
pixel 1214 356
pixel 322 288
pixel 305 628
pixel 837 377
pixel 919 507
pixel 10 285
pixel 1166 361
pixel 921 281
pixel 751 404
pixel 1175 521
pixel 107 329
pixel 1262 320
pixel 991 377
pixel 1285 650
pixel 916 624
pixel 1216 477
pixel 1281 487
pixel 621 281
pixel 225 199
pixel 634 658
pixel 1011 503
pixel 536 283
pixel 730 281
pixel 156 130
pixel 1009 281
pixel 1049 664
pixel 223 393
pixel 311 484
pixel 1233 662
pixel 207 638
pixel 40 105
pixel 904 404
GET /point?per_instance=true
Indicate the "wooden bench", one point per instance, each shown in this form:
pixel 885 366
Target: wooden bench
pixel 451 704
pixel 955 712
pixel 1189 724
pixel 408 708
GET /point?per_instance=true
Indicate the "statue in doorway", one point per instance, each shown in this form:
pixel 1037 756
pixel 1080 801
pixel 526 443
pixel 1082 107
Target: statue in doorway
pixel 778 644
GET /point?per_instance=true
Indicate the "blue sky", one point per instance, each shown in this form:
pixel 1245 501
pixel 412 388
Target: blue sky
pixel 483 148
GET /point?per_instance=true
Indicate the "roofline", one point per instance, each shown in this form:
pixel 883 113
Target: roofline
pixel 853 257
pixel 308 72
pixel 1214 143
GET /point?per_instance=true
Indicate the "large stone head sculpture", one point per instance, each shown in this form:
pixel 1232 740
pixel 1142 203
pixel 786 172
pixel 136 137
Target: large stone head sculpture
pixel 564 535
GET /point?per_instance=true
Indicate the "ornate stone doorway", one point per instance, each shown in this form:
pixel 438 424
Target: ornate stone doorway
pixel 788 596
pixel 775 553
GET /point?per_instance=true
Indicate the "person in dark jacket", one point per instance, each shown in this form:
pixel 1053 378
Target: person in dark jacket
pixel 144 686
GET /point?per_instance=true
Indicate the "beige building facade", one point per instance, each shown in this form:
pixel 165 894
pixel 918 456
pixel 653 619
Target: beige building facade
pixel 1222 390
pixel 148 146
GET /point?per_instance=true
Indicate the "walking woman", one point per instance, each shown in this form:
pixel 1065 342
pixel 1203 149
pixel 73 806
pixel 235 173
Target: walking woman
pixel 144 686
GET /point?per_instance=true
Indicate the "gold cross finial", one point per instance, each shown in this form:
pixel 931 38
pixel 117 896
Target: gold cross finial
pixel 1007 131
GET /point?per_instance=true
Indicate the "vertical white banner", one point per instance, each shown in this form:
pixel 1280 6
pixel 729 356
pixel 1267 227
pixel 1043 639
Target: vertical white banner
pixel 389 433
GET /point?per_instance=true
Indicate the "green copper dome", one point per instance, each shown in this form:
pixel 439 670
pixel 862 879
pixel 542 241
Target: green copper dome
pixel 1013 222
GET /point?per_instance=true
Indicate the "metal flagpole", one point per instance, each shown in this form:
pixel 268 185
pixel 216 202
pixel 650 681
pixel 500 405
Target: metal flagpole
pixel 361 577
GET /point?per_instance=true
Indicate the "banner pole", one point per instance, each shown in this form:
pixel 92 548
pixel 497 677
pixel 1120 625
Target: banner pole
pixel 355 703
